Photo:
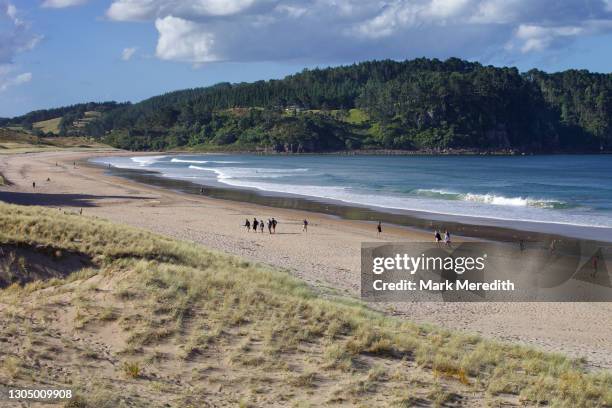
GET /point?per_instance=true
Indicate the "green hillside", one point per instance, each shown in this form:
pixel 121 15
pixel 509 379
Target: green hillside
pixel 422 104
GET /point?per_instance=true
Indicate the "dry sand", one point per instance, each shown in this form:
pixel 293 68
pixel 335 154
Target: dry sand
pixel 328 256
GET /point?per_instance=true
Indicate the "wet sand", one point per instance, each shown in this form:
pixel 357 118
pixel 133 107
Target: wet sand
pixel 328 256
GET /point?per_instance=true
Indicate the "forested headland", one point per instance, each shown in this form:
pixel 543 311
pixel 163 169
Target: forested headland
pixel 419 105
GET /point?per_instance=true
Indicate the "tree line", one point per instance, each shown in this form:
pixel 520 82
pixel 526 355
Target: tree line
pixel 414 105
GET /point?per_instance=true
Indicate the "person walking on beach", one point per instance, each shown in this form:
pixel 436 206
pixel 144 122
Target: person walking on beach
pixel 594 263
pixel 274 225
pixel 447 238
pixel 379 229
pixel 261 226
pixel 438 238
pixel 255 224
pixel 305 227
pixel 247 225
pixel 33 184
pixel 270 226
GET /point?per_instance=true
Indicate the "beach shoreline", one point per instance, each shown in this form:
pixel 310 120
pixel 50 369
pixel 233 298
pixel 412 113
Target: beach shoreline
pixel 327 257
pixel 465 226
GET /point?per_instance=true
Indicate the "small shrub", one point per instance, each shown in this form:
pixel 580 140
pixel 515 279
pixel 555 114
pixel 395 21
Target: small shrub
pixel 132 369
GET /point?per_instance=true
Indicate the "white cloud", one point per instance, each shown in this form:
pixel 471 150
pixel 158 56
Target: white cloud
pixel 217 7
pixel 137 10
pixel 497 12
pixel 198 31
pixel 538 38
pixel 7 80
pixel 294 11
pixel 11 12
pixel 392 19
pixel 132 10
pixel 128 53
pixel 62 3
pixel 183 40
pixel 530 38
pixel 22 78
pixel 16 36
pixel 447 8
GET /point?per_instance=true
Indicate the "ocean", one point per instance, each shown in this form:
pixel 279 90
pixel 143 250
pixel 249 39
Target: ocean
pixel 573 190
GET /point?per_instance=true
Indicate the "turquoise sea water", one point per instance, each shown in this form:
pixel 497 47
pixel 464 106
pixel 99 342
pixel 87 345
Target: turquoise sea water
pixel 571 190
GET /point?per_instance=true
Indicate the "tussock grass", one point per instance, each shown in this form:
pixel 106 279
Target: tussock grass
pixel 132 369
pixel 12 365
pixel 202 313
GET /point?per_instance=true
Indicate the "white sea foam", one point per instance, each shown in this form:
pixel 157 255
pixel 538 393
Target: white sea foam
pixel 493 199
pixel 237 173
pixel 175 160
pixel 514 201
pixel 144 161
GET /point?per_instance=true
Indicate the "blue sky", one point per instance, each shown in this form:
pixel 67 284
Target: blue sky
pixel 59 52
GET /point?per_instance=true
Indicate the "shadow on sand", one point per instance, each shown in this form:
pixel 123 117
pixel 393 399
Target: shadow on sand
pixel 63 200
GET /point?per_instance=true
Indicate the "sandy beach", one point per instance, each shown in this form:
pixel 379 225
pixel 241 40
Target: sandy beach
pixel 327 257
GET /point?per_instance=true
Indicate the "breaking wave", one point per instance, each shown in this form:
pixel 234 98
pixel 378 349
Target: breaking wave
pixel 493 199
pixel 175 160
pixel 227 173
pixel 144 161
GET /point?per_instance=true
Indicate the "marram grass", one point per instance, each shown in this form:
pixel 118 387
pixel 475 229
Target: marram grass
pixel 194 320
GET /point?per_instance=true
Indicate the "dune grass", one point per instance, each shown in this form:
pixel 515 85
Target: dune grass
pixel 199 326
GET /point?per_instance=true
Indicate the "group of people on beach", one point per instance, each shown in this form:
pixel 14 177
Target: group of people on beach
pixel 261 224
pixel 271 223
pixel 447 238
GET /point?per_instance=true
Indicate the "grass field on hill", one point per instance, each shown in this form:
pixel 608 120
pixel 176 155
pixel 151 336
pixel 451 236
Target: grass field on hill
pixel 12 141
pixel 125 317
pixel 51 125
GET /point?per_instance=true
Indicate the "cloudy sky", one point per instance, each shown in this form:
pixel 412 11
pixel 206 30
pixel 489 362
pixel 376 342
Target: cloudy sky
pixel 58 52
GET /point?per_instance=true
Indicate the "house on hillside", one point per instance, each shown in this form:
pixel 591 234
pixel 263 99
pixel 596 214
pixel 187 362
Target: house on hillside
pixel 294 109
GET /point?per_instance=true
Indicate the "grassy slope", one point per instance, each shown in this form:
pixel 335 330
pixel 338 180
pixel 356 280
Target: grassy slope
pixel 170 322
pixel 12 141
pixel 357 117
pixel 51 125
